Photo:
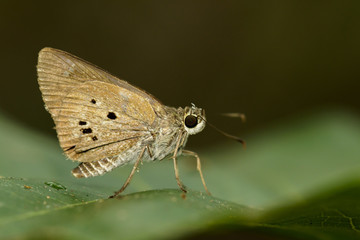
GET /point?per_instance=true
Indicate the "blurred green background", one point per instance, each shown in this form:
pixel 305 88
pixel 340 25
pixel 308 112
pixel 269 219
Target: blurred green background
pixel 290 66
pixel 272 60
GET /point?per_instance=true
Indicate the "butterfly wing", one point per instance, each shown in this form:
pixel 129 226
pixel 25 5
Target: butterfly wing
pixel 59 69
pixel 96 114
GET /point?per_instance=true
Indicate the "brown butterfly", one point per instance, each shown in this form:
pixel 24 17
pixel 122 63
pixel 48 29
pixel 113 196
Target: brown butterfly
pixel 104 122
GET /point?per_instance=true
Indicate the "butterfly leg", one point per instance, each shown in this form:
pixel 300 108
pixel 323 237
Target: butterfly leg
pixel 180 140
pixel 193 154
pixel 131 174
pixel 181 186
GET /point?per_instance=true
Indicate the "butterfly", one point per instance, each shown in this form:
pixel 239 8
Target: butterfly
pixel 104 122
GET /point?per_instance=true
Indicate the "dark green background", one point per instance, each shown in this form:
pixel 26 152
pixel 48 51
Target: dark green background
pixel 269 59
pixel 290 66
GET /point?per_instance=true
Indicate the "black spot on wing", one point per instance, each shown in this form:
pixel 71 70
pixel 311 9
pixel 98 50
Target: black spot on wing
pixel 86 130
pixel 111 115
pixel 72 147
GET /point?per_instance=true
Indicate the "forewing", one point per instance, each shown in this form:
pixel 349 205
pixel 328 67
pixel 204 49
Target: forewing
pixel 96 114
pixel 61 71
pixel 98 120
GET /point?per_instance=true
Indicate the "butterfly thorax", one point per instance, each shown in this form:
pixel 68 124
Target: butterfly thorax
pixel 173 129
pixel 167 132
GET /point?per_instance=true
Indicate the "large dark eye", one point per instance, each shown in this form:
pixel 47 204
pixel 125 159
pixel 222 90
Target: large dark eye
pixel 191 121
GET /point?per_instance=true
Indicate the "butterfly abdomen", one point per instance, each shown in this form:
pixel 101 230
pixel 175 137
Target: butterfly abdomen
pixel 100 167
pixel 96 168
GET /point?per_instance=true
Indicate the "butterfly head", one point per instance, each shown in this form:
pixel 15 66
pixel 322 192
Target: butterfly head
pixel 194 119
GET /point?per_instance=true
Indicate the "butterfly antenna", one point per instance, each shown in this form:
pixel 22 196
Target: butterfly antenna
pixel 227 134
pixel 236 115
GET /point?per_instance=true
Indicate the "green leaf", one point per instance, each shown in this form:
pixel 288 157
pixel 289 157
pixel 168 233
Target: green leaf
pixel 297 180
pixel 330 215
pixel 37 209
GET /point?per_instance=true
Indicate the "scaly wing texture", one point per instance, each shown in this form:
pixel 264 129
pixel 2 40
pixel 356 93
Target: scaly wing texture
pixel 94 117
pixel 61 70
